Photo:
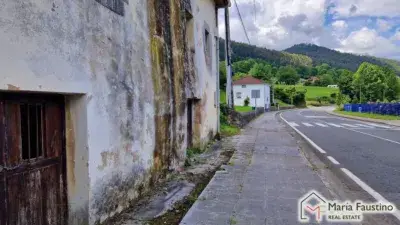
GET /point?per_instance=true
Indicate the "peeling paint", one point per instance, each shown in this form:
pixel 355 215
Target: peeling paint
pixel 130 77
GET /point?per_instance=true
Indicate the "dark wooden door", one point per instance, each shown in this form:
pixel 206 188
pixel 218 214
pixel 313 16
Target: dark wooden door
pixel 32 160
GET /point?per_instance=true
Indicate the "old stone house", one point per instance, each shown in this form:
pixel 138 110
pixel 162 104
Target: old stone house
pixel 98 100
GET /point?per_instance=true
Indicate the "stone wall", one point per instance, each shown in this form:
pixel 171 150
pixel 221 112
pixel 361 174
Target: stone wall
pixel 241 119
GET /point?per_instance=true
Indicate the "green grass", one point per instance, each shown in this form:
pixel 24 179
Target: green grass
pixel 312 91
pixel 229 130
pixel 243 108
pixel 369 115
pixel 282 104
pixel 222 96
pixel 222 99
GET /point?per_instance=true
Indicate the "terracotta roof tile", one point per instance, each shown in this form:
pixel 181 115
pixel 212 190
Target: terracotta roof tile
pixel 248 80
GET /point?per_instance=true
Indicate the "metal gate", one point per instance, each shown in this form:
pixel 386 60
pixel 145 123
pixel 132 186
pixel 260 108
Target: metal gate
pixel 32 160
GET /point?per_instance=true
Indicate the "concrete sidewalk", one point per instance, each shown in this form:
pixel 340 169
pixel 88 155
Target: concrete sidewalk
pixel 262 183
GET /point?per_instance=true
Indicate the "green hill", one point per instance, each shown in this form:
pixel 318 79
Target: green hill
pixel 241 51
pixel 338 59
pixel 304 55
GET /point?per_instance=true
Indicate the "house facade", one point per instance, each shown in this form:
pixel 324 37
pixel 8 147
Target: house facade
pixel 256 90
pixel 98 100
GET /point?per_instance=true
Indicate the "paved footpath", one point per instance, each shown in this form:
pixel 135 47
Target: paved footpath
pixel 262 183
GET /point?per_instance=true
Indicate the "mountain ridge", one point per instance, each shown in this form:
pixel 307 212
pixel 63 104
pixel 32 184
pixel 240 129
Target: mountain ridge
pixel 305 55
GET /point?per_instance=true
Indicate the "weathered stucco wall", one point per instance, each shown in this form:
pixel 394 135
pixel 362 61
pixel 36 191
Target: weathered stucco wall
pixel 204 13
pixel 124 81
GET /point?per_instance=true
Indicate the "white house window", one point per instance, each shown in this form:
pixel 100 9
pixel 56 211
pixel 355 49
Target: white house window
pixel 238 94
pixel 243 86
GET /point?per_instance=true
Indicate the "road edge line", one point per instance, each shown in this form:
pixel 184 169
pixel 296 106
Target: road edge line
pixel 369 190
pixel 333 160
pixel 345 171
pixel 361 119
pixel 304 136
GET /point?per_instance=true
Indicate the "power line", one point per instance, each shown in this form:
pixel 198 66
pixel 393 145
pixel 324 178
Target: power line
pixel 241 20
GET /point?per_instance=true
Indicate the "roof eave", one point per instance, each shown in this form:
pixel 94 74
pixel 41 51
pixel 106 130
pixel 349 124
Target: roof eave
pixel 222 3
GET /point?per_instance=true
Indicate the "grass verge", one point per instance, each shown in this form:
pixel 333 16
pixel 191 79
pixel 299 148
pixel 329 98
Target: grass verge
pixel 243 108
pixel 368 115
pixel 222 96
pixel 229 130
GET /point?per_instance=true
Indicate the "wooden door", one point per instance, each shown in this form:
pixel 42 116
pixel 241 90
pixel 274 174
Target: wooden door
pixel 32 160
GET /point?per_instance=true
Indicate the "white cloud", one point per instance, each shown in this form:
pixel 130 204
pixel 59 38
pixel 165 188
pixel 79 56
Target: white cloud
pixel 280 24
pixel 368 41
pixel 348 8
pixel 339 25
pixel 383 25
pixel 396 36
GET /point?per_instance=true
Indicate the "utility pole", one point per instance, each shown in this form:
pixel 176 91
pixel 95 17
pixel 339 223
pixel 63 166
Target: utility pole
pixel 229 97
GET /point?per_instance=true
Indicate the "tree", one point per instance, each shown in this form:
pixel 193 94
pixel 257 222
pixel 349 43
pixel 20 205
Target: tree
pixel 323 68
pixel 291 91
pixel 369 83
pixel 392 90
pixel 288 75
pixel 261 71
pixel 243 66
pixel 314 71
pixel 303 71
pixel 239 76
pixel 222 75
pixel 345 83
pixel 334 74
pixel 326 80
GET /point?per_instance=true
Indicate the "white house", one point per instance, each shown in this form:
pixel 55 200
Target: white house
pixel 257 91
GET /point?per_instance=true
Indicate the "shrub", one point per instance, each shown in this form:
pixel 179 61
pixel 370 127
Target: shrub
pixel 247 101
pixel 324 99
pixel 224 109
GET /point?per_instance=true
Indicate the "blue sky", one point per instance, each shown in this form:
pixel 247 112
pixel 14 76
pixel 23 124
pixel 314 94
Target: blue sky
pixel 367 27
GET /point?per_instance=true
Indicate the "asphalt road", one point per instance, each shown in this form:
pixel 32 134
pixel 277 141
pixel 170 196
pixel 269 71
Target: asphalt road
pixel 370 151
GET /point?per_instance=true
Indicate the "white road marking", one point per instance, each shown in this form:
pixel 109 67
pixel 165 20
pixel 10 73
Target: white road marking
pixel 349 125
pixel 334 125
pixel 294 124
pixel 395 142
pixel 368 189
pixel 308 125
pixel 304 136
pixel 321 125
pixel 363 125
pixel 333 160
pixel 318 117
pixel 378 125
pixel 357 180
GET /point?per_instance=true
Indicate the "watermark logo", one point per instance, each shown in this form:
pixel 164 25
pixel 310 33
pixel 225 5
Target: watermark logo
pixel 315 207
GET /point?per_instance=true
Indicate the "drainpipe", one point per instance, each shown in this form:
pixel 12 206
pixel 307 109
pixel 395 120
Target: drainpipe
pixel 218 94
pixel 228 60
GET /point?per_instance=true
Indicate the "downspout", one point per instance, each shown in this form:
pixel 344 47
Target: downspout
pixel 217 65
